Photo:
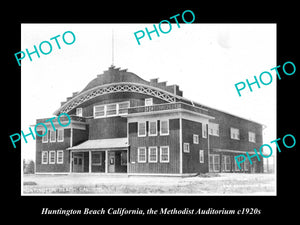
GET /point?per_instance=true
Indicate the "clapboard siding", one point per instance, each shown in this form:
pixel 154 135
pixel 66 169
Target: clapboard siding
pixel 110 127
pixel 170 140
pixel 53 146
pixel 191 160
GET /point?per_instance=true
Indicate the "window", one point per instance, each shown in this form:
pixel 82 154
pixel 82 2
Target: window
pixel 213 129
pixel 148 101
pixel 60 135
pixel 45 137
pixel 235 133
pixel 123 158
pixel 164 154
pixel 142 129
pixel 246 165
pixel 152 128
pixel 195 138
pixel 111 110
pixel 201 156
pixel 142 154
pixel 79 112
pixel 164 127
pixel 186 147
pixel 99 111
pixel 44 157
pixel 214 163
pixel 52 136
pixel 60 157
pixel 204 130
pixel 52 157
pixel 227 163
pixel 123 108
pixel 152 154
pixel 236 167
pixel 252 137
pixel 96 158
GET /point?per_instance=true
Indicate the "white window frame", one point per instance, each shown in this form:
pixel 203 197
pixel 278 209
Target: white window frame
pixel 195 138
pixel 160 127
pixel 204 130
pixel 149 129
pixel 45 136
pixel 104 109
pixel 138 131
pixel 45 153
pixel 139 154
pixel 236 167
pixel 201 156
pixel 118 107
pixel 213 164
pixel 110 104
pixel 149 153
pixel 50 161
pixel 51 133
pixel 225 163
pixel 62 157
pixel 252 137
pixel 186 147
pixel 148 101
pixel 213 129
pixel 234 133
pixel 160 154
pixel 79 112
pixel 58 131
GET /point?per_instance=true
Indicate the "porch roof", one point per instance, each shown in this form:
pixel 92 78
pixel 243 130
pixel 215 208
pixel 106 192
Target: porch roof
pixel 102 144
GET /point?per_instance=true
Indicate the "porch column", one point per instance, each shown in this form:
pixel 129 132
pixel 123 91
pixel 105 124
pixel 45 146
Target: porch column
pixel 71 160
pixel 90 161
pixel 106 161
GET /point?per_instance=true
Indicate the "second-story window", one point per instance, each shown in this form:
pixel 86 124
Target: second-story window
pixel 141 129
pixel 213 129
pixel 164 127
pixel 252 137
pixel 60 135
pixel 234 133
pixel 52 136
pixel 152 128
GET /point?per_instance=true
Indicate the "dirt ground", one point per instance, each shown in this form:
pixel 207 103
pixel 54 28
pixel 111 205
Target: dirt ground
pixel 95 184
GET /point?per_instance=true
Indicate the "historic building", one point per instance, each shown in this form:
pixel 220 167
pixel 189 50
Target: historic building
pixel 121 123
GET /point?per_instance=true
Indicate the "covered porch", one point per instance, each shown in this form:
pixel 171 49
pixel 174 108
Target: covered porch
pixel 99 156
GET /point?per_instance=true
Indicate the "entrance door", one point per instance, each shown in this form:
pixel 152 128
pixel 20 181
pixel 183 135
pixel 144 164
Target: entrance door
pixel 78 163
pixel 111 162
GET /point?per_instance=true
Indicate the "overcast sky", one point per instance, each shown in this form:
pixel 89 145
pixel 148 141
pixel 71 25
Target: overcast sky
pixel 205 60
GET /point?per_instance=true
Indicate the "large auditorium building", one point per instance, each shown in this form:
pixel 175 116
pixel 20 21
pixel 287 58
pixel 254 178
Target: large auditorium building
pixel 121 123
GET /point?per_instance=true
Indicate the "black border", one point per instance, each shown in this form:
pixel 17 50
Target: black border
pixel 29 207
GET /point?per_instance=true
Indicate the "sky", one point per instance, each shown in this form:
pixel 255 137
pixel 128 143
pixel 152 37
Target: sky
pixel 205 60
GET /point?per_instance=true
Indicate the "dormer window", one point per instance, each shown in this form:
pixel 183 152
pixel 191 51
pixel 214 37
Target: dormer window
pixel 148 101
pixel 79 112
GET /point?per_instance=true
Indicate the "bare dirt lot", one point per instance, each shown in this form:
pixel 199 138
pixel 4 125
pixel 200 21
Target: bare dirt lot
pixel 207 184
